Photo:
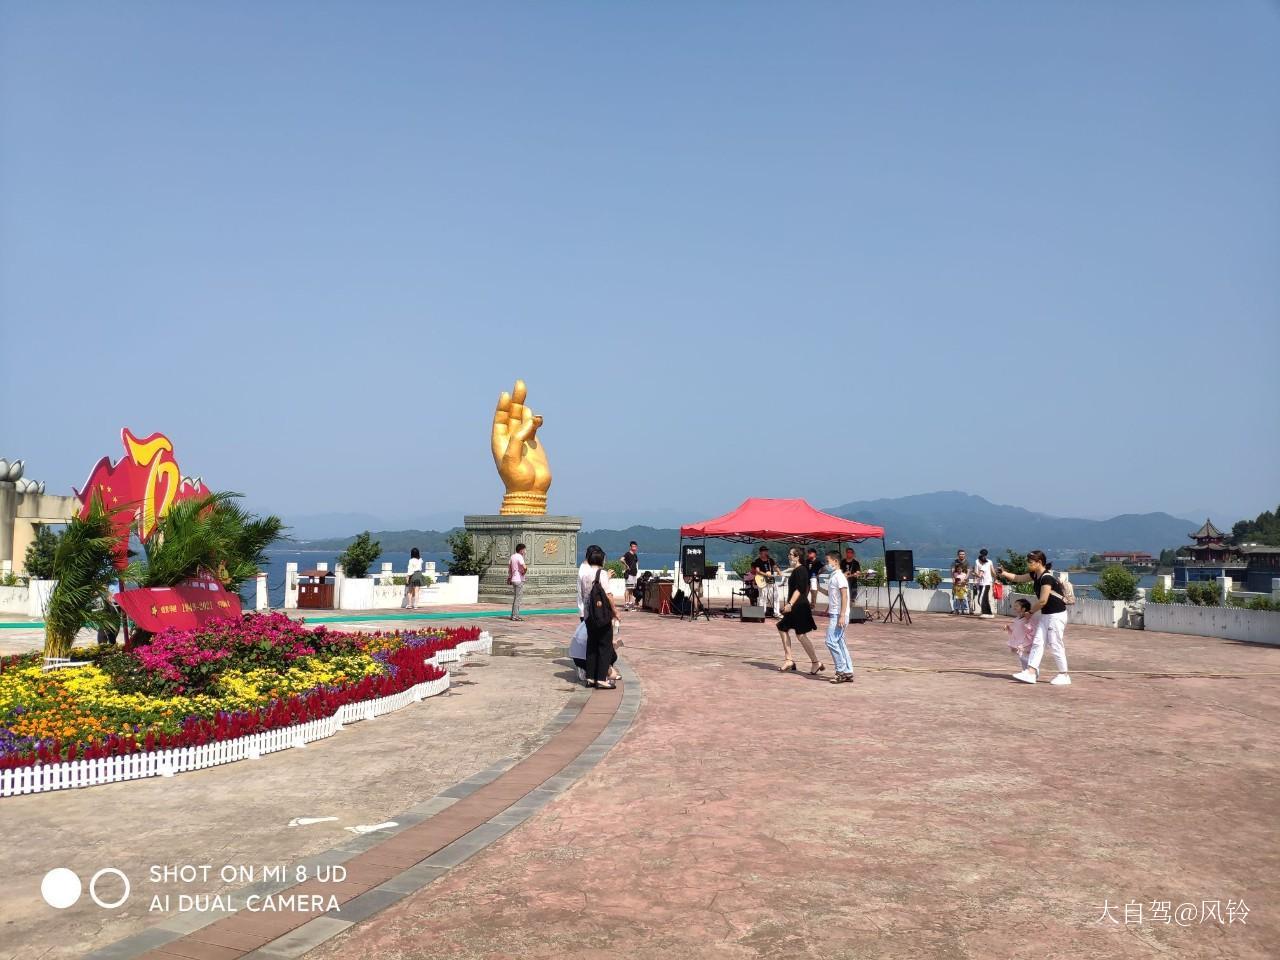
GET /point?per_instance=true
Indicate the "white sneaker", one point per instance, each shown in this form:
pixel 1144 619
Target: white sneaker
pixel 1026 676
pixel 582 675
pixel 1061 680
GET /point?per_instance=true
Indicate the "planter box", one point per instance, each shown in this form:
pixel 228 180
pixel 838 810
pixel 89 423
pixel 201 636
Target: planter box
pixel 356 594
pixel 13 600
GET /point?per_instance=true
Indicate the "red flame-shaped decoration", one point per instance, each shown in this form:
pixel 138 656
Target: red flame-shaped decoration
pixel 140 487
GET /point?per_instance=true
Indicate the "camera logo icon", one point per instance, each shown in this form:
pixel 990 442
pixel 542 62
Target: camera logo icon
pixel 61 888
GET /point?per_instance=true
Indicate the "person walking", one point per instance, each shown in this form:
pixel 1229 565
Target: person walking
pixel 797 613
pixel 985 575
pixel 413 581
pixel 516 570
pixel 600 651
pixel 838 618
pixel 631 565
pixel 1051 624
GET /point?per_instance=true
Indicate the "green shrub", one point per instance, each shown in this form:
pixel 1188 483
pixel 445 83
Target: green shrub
pixel 1261 603
pixel 40 553
pixel 398 581
pixel 1117 583
pixel 616 568
pixel 928 579
pixel 1205 593
pixel 740 565
pixel 466 562
pixel 1158 594
pixel 1014 562
pixel 360 555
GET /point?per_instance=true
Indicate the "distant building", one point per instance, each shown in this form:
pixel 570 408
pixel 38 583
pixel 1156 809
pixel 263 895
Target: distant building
pixel 1263 566
pixel 1128 558
pixel 1250 566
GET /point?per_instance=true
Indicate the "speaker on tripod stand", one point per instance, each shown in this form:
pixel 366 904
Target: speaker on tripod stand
pixel 693 567
pixel 899 565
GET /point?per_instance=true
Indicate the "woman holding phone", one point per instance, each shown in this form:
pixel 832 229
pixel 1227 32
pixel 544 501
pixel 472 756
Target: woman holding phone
pixel 1049 611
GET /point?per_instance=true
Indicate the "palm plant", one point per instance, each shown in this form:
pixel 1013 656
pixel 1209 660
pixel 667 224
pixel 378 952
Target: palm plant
pixel 213 534
pixel 245 537
pixel 84 566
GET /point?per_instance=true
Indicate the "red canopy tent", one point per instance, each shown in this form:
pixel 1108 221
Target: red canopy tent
pixel 761 518
pixel 788 521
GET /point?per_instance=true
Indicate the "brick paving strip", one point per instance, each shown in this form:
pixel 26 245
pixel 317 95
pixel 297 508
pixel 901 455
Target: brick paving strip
pixel 431 838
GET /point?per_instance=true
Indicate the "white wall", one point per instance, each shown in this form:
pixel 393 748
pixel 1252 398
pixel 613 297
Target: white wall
pixel 13 600
pixel 28 601
pixel 367 594
pixel 1230 623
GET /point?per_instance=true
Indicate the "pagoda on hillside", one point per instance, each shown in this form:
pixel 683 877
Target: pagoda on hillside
pixel 1211 557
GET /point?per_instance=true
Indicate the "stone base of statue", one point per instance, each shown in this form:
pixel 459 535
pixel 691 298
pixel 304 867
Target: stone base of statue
pixel 551 554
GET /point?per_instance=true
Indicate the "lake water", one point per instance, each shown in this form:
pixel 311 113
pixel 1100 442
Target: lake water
pixel 308 559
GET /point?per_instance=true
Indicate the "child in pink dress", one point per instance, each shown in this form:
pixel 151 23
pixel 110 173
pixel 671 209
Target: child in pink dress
pixel 1021 630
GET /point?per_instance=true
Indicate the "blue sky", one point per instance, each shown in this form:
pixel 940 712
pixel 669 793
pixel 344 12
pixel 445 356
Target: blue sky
pixel 735 249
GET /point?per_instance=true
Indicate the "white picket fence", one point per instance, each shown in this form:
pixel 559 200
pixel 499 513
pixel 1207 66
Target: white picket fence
pixel 43 778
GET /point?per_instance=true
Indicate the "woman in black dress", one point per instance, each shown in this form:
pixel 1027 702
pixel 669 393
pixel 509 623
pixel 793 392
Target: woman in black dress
pixel 797 615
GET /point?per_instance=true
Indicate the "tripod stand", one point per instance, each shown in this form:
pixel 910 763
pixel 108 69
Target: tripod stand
pixel 897 605
pixel 696 607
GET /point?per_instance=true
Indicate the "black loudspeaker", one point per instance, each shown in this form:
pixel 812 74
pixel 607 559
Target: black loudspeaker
pixel 693 560
pixel 753 614
pixel 899 565
pixel 858 615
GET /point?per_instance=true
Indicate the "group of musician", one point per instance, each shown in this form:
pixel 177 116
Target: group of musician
pixel 765 577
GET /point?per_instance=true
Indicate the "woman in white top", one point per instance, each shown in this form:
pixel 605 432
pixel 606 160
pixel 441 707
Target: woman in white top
pixel 600 652
pixel 986 577
pixel 414 580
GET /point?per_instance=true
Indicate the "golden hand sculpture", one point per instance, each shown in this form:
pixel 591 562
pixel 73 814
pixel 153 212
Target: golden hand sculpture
pixel 520 458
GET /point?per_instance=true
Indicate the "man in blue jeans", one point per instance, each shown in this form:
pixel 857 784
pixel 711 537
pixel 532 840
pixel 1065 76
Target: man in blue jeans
pixel 838 614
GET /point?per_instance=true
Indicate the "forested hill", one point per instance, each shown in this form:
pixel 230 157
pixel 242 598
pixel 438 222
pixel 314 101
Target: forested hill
pixel 930 523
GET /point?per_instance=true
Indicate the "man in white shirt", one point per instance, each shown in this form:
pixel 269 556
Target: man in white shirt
pixel 986 572
pixel 838 618
pixel 516 568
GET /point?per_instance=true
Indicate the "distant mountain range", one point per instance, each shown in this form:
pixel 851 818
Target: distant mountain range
pixel 932 524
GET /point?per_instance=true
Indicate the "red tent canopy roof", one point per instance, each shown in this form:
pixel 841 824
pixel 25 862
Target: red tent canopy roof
pixel 759 518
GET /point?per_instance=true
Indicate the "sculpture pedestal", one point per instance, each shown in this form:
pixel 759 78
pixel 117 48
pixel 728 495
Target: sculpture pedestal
pixel 552 556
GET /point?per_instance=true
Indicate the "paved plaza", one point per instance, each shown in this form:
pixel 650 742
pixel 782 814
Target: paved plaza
pixel 933 808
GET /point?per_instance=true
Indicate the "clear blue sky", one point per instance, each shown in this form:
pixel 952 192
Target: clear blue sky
pixel 313 241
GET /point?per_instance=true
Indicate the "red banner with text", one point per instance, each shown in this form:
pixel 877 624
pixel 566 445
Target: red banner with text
pixel 190 605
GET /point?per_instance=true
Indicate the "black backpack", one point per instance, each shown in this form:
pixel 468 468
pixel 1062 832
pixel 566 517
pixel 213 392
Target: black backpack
pixel 599 611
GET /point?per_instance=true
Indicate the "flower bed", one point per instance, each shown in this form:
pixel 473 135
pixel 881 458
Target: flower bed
pixel 190 688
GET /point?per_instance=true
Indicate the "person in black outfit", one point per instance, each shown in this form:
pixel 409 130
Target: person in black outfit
pixel 600 650
pixel 631 567
pixel 797 614
pixel 852 569
pixel 765 566
pixel 815 568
